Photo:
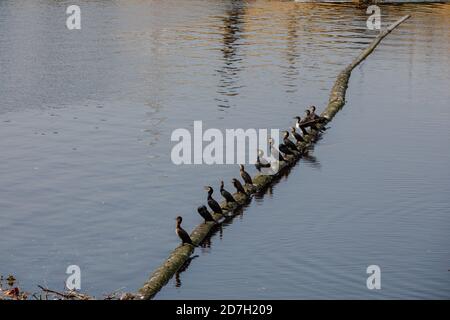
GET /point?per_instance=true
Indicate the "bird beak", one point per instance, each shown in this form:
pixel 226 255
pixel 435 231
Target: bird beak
pixel 206 188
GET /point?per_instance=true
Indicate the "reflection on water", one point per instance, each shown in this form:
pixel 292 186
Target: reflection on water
pixel 291 73
pixel 86 119
pixel 183 268
pixel 229 73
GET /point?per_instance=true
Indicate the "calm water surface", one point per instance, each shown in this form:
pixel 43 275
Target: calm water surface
pixel 85 124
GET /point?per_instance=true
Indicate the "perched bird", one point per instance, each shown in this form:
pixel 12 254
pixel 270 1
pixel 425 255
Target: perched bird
pixel 215 207
pixel 182 234
pixel 308 116
pixel 299 125
pixel 260 161
pixel 226 195
pixel 276 154
pixel 317 117
pixel 245 176
pixel 312 110
pixel 284 149
pixel 297 136
pixel 237 184
pixel 288 143
pixel 203 211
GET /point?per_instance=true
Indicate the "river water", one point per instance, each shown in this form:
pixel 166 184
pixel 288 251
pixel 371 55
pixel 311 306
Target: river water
pixel 86 117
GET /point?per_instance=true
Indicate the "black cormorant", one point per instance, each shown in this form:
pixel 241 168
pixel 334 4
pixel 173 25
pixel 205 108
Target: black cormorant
pixel 215 207
pixel 312 110
pixel 308 116
pixel 184 236
pixel 317 117
pixel 284 149
pixel 203 211
pixel 288 143
pixel 299 125
pixel 275 152
pixel 237 184
pixel 245 176
pixel 297 136
pixel 226 195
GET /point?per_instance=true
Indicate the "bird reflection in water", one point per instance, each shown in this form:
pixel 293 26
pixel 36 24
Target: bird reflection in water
pixel 182 269
pixel 312 161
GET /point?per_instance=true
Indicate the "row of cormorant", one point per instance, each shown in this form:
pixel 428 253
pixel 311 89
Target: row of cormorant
pixel 285 149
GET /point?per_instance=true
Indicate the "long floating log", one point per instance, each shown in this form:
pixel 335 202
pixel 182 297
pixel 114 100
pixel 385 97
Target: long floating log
pixel 181 254
pixel 337 95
